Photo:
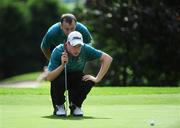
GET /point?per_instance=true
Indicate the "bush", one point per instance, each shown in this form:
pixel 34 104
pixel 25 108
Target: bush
pixel 23 25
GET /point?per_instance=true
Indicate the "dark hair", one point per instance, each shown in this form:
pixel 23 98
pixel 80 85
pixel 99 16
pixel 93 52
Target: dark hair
pixel 68 18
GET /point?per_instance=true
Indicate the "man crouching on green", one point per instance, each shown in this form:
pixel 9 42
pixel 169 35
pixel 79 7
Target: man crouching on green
pixel 74 54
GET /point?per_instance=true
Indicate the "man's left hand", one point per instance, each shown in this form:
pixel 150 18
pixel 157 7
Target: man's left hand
pixel 89 77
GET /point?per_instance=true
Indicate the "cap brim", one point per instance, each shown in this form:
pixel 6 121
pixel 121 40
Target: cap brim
pixel 76 42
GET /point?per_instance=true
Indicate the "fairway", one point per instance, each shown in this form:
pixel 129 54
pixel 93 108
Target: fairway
pixel 101 111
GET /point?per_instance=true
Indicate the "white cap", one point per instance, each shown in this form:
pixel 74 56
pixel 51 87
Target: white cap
pixel 75 38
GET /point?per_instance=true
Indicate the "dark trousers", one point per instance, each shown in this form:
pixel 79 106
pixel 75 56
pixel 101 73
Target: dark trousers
pixel 77 89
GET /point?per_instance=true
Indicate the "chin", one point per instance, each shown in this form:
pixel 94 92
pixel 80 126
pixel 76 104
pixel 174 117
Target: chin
pixel 75 55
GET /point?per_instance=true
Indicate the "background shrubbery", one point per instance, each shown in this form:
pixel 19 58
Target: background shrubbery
pixel 141 36
pixel 22 25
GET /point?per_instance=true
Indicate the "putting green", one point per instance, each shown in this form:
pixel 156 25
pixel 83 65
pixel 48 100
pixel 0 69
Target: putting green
pixel 101 111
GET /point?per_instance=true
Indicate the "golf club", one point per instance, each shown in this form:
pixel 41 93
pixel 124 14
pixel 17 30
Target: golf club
pixel 66 90
pixel 65 84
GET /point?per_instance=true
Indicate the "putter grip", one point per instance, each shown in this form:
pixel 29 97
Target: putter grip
pixel 66 52
pixel 65 61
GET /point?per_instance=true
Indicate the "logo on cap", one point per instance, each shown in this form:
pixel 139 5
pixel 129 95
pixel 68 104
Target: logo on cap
pixel 79 38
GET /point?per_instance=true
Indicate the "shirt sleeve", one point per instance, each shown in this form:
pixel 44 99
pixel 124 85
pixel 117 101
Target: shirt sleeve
pixel 55 60
pixel 52 37
pixel 45 44
pixel 92 53
pixel 87 38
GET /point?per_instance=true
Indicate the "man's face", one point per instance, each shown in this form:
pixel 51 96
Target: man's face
pixel 74 50
pixel 68 28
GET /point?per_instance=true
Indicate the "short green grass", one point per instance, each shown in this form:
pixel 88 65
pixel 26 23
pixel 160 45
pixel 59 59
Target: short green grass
pixel 117 107
pixel 43 90
pixel 130 107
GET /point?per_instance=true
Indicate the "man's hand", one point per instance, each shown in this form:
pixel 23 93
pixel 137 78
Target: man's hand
pixel 89 77
pixel 105 63
pixel 64 58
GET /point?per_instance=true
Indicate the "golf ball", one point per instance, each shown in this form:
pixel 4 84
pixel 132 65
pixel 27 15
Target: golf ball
pixel 152 123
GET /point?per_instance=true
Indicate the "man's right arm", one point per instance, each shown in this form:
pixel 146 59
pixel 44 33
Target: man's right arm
pixel 45 45
pixel 51 75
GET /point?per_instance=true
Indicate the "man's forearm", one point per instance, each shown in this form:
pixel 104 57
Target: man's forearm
pixel 55 73
pixel 105 63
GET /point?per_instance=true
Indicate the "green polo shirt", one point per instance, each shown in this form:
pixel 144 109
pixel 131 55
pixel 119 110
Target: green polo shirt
pixel 88 53
pixel 56 36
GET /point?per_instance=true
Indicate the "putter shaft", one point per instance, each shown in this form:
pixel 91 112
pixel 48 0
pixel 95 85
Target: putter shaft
pixel 66 90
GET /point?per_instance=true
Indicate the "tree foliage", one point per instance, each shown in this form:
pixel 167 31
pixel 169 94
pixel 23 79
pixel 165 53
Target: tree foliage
pixel 12 28
pixel 23 24
pixel 141 36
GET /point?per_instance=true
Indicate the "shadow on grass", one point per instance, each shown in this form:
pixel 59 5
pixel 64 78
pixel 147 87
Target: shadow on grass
pixel 72 117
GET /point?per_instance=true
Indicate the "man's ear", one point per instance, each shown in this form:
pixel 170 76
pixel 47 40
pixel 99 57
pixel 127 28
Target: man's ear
pixel 65 45
pixel 68 43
